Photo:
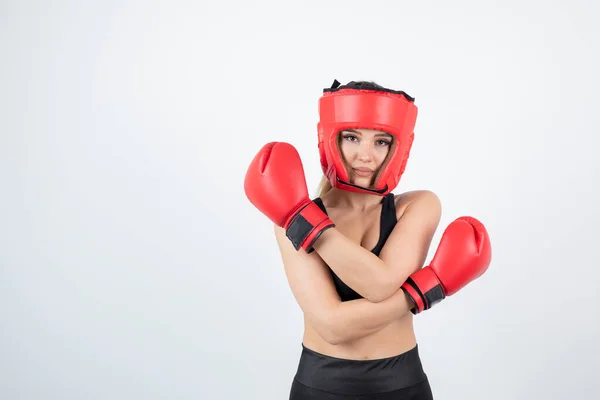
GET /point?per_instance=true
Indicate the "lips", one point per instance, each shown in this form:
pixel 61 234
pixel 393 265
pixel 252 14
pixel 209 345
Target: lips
pixel 362 171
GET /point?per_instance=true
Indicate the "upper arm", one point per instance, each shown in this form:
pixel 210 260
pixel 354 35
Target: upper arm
pixel 407 246
pixel 311 283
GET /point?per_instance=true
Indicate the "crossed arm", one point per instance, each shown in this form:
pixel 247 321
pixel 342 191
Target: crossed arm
pixel 378 280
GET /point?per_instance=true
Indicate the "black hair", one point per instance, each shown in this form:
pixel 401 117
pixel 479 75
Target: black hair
pixel 365 85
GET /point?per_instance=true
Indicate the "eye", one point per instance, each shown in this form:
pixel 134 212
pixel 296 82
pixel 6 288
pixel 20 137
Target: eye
pixel 350 137
pixel 383 143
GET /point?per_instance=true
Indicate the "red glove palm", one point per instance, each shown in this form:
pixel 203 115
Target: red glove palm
pixel 276 185
pixel 463 255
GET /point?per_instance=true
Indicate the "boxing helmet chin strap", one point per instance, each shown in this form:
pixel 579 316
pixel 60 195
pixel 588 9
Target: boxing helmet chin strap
pixel 374 191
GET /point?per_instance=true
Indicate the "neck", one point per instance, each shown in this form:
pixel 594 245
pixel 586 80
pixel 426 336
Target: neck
pixel 352 200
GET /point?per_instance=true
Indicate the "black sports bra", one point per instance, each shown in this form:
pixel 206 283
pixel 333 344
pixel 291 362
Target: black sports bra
pixel 387 222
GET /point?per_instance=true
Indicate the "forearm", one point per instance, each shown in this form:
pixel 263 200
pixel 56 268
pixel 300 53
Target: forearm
pixel 357 267
pixel 355 319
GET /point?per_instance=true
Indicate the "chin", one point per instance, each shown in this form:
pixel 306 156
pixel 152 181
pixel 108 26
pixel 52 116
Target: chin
pixel 362 182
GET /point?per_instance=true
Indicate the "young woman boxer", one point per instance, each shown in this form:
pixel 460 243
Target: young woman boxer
pixel 354 255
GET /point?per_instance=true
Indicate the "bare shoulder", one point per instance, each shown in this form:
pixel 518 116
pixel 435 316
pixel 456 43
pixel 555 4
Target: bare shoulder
pixel 425 202
pixel 406 249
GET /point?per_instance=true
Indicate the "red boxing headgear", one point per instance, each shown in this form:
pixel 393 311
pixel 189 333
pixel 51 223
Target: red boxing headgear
pixel 367 106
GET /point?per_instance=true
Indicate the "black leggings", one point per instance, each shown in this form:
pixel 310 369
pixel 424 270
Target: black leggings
pixel 321 377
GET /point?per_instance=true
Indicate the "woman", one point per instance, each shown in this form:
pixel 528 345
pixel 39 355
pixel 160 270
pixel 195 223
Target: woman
pixel 353 256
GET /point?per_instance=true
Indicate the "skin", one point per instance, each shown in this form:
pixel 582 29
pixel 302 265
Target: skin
pixel 380 324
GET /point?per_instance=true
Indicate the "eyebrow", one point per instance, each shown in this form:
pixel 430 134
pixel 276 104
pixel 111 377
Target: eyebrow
pixel 386 135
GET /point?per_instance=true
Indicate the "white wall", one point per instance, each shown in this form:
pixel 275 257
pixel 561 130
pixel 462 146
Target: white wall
pixel 131 264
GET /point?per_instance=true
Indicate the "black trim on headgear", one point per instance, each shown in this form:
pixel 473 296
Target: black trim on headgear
pixel 335 86
pixel 381 191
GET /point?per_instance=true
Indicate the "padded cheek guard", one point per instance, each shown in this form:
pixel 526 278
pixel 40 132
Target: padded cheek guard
pixel 353 107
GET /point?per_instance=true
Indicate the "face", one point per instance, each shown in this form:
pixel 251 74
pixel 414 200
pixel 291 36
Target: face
pixel 364 151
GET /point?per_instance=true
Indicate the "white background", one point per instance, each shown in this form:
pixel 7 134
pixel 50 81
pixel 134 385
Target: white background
pixel 132 264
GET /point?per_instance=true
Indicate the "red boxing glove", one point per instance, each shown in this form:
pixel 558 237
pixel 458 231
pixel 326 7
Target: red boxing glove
pixel 276 185
pixel 463 255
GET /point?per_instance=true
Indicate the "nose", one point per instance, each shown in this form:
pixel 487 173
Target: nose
pixel 365 152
